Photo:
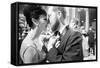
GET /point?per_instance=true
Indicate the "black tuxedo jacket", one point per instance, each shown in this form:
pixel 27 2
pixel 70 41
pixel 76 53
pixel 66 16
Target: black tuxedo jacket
pixel 69 50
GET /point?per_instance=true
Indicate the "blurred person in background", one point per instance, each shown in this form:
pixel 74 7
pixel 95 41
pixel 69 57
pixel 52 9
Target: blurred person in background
pixel 74 24
pixel 22 26
pixel 85 44
pixel 91 41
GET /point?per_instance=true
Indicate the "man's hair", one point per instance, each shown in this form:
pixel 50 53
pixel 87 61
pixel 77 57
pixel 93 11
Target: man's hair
pixel 62 9
pixel 32 11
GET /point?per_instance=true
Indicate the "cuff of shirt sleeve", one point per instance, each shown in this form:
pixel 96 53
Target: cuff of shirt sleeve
pixel 52 53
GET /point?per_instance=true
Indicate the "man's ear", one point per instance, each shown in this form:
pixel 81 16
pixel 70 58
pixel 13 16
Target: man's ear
pixel 35 21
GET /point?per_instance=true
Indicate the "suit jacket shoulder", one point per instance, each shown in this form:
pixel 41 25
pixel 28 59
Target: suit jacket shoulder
pixel 69 50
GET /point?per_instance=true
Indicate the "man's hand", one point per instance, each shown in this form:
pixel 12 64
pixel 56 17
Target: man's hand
pixel 52 42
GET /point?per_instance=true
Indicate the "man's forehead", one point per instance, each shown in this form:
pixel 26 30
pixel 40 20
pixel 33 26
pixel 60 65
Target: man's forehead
pixel 50 8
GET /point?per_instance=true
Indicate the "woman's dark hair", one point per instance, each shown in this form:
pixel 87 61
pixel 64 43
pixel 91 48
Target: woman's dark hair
pixel 33 11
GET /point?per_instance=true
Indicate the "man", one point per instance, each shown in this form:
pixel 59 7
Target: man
pixel 91 40
pixel 31 48
pixel 74 24
pixel 70 46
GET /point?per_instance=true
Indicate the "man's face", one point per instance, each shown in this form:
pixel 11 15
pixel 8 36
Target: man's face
pixel 52 16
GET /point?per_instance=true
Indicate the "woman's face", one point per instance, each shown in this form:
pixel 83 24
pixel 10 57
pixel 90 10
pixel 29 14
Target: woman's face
pixel 43 22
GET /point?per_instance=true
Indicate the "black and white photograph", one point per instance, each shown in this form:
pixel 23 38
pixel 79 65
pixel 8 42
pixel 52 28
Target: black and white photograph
pixel 50 33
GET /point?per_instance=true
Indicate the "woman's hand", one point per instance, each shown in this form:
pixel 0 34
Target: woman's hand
pixel 57 44
pixel 52 41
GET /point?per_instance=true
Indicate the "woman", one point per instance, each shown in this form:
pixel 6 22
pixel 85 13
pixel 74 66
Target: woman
pixel 31 47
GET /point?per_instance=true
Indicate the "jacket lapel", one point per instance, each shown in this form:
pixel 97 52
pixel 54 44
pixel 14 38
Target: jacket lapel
pixel 64 40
